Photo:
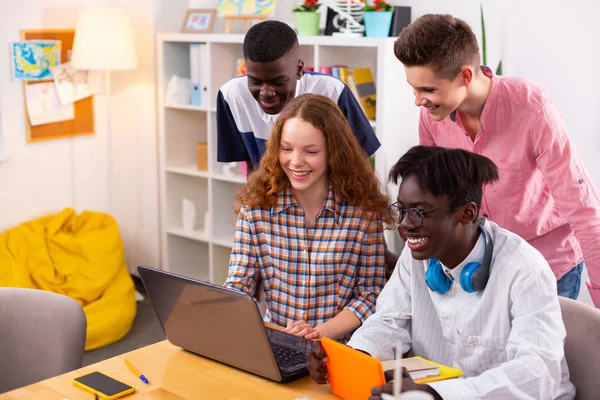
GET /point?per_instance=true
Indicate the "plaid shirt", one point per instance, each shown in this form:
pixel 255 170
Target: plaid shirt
pixel 313 273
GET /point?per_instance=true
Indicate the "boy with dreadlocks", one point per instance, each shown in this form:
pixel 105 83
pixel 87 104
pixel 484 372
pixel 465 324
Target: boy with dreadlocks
pixel 465 292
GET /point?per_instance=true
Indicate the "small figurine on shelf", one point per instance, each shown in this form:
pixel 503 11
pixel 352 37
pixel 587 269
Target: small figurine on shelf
pixel 350 13
pixel 231 169
pixel 178 91
pixel 307 18
pixel 188 214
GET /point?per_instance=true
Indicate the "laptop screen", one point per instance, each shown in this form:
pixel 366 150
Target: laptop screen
pixel 210 320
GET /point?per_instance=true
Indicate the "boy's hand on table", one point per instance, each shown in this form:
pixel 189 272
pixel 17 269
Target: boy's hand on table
pixel 316 360
pixel 407 385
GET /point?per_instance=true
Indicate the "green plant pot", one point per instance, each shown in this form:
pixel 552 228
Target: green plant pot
pixel 307 23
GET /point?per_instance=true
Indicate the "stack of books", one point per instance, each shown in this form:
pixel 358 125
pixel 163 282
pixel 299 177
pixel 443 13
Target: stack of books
pixel 423 371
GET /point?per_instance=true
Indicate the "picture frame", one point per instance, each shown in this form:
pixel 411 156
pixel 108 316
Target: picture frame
pixel 198 20
pixel 262 8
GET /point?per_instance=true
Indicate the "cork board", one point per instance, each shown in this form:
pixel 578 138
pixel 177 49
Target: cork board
pixel 83 123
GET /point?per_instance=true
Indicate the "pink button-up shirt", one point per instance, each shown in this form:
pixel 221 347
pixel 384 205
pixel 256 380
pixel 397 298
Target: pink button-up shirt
pixel 544 193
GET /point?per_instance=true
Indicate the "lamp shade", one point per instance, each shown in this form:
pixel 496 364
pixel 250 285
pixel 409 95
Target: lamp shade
pixel 104 40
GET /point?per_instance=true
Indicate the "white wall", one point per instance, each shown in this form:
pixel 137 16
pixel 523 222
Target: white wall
pixel 135 154
pixel 551 43
pixel 557 50
pixel 45 177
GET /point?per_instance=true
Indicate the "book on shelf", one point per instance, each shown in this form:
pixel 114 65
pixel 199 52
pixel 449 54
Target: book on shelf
pixel 325 70
pixel 335 72
pixel 351 83
pixel 344 72
pixel 240 67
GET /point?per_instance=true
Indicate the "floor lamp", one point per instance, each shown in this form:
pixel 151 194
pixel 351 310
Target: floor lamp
pixel 104 42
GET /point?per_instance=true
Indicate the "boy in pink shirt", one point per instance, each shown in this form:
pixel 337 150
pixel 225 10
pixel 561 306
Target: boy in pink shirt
pixel 544 193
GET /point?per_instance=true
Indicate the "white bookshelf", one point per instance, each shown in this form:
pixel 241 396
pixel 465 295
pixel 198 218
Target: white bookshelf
pixel 204 253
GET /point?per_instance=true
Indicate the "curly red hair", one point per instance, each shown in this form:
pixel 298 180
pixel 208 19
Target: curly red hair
pixel 349 172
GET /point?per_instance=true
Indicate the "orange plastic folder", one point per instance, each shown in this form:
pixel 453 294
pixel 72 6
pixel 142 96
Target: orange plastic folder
pixel 352 374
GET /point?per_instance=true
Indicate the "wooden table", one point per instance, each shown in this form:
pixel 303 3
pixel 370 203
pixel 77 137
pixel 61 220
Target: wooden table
pixel 174 374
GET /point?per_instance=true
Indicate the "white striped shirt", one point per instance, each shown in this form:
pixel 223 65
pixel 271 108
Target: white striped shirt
pixel 508 339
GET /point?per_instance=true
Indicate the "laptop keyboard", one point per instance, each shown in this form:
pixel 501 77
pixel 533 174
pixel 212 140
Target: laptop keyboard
pixel 288 357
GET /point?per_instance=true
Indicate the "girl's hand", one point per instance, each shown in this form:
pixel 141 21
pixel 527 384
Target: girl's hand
pixel 303 329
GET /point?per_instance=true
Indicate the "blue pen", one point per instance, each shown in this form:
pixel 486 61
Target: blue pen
pixel 136 372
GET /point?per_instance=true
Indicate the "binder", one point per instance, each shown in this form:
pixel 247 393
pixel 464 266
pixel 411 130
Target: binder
pixel 199 74
pixel 195 91
pixel 204 75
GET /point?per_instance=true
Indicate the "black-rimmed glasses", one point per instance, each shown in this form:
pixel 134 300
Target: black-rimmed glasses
pixel 415 216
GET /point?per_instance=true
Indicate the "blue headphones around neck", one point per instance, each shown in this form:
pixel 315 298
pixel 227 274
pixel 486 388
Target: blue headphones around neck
pixel 473 277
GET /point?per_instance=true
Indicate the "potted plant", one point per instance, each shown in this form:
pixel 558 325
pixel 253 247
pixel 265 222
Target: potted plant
pixel 484 43
pixel 307 18
pixel 378 19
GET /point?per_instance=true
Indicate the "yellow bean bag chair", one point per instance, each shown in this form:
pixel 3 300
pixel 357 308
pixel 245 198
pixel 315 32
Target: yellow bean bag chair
pixel 80 256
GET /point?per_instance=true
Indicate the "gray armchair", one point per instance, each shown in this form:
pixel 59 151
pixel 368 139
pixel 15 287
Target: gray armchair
pixel 582 347
pixel 42 334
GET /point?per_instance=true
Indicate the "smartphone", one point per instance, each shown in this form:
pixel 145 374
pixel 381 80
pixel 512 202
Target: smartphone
pixel 103 385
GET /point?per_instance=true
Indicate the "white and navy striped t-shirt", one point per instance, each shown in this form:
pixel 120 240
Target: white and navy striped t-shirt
pixel 243 127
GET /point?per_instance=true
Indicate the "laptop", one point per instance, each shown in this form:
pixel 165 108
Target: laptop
pixel 224 325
